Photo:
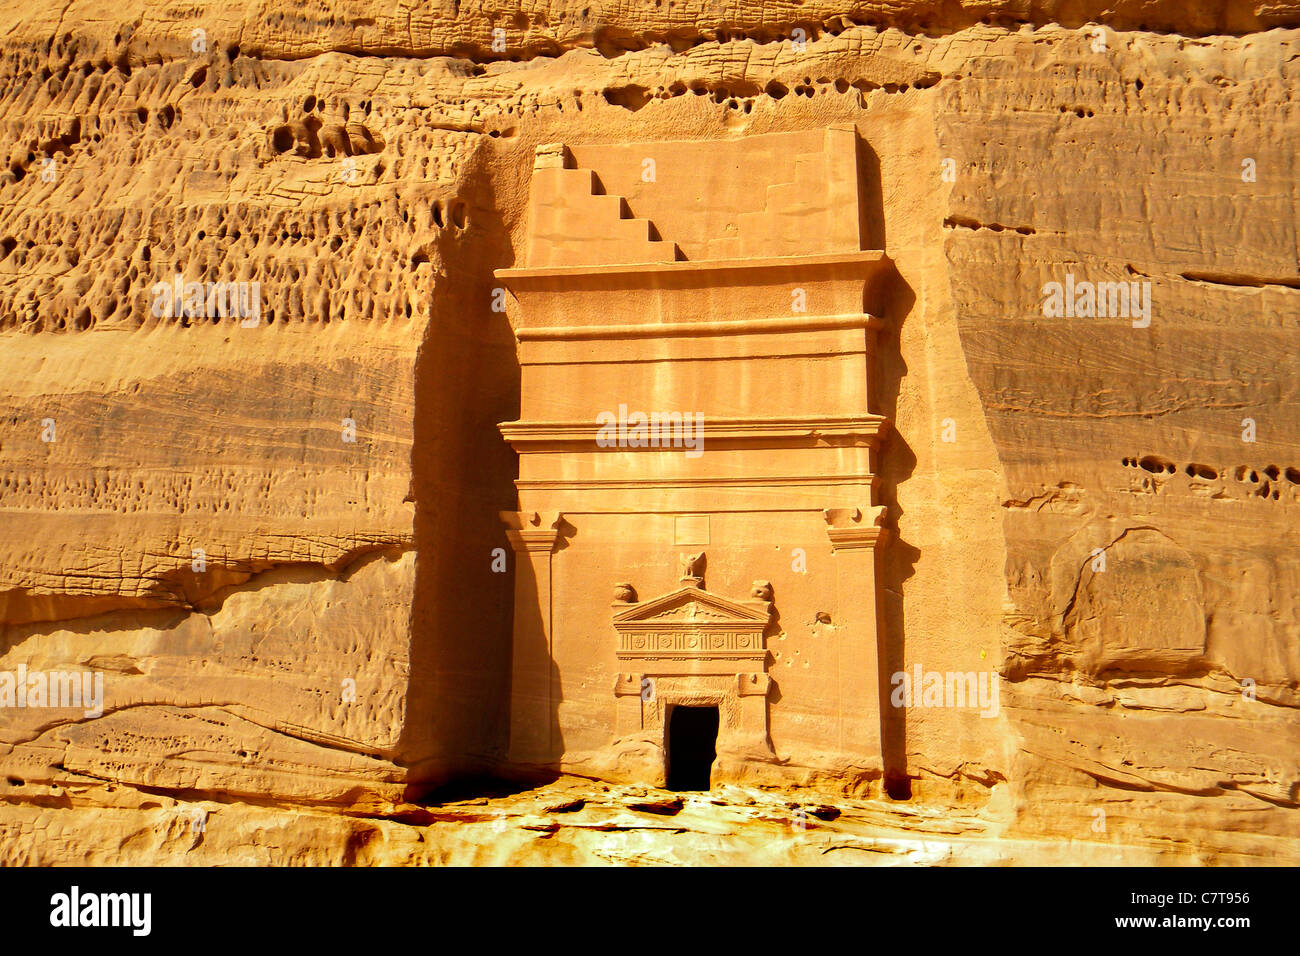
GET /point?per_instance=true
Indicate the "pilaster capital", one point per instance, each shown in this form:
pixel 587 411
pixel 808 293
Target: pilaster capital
pixel 852 529
pixel 532 530
pixel 753 685
pixel 627 685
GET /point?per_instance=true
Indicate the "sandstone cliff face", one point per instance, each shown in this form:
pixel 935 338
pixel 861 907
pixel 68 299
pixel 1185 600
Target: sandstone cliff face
pixel 275 540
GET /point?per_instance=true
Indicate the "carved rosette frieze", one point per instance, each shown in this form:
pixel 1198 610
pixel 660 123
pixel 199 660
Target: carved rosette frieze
pixel 679 643
pixel 699 631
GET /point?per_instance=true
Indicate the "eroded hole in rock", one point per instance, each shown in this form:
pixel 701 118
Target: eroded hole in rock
pixel 691 746
pixel 631 97
pixel 1157 465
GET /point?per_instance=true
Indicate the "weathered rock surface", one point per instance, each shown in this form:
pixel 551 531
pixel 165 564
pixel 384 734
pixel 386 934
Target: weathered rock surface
pixel 732 826
pixel 342 643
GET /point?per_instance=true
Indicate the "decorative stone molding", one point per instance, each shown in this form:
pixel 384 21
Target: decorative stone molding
pixel 692 631
pixel 532 530
pixel 853 528
pixel 697 648
pixel 865 429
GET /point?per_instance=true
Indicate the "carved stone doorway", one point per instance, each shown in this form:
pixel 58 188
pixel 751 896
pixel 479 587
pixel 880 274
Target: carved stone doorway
pixel 691 746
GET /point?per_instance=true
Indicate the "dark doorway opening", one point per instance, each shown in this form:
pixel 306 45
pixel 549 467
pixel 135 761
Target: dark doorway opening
pixel 692 746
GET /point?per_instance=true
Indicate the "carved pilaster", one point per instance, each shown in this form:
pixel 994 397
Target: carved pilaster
pixel 533 691
pixel 752 689
pixel 856 535
pixel 628 690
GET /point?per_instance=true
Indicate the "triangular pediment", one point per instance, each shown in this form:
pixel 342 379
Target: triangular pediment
pixel 689 605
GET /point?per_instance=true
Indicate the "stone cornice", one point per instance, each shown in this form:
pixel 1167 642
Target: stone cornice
pixel 802 323
pixel 730 481
pixel 581 435
pixel 710 272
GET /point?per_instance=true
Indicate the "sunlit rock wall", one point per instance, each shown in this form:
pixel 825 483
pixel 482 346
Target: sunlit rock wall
pixel 274 539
